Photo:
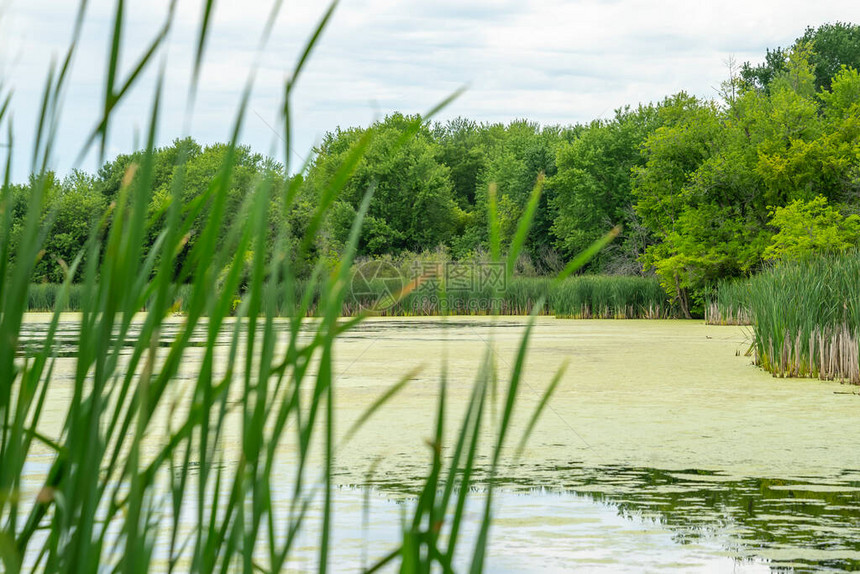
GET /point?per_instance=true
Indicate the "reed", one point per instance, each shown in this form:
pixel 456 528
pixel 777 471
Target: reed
pixel 579 297
pixel 729 304
pixel 44 297
pixel 807 318
pixel 113 501
pixel 611 297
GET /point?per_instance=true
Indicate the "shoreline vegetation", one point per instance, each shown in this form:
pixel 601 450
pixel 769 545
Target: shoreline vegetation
pixel 201 226
pixel 699 190
pixel 579 297
pixel 103 496
pixel 805 316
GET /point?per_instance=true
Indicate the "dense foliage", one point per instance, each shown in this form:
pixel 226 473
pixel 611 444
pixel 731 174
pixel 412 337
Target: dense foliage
pixel 715 173
pixel 702 189
pixel 834 45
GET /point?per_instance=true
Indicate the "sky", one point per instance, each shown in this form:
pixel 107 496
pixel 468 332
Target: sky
pixel 550 61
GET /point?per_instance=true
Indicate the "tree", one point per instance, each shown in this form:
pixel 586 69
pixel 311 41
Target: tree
pixel 459 147
pixel 833 46
pixel 517 154
pixel 714 175
pixel 412 206
pixel 690 131
pixel 809 227
pixel 591 190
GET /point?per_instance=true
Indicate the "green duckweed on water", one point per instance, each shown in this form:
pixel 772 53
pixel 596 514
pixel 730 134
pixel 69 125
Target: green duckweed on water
pixel 698 443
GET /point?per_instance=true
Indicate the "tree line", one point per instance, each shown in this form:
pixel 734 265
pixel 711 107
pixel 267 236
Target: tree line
pixel 703 189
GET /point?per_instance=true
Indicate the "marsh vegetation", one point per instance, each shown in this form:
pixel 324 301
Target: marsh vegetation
pixel 209 396
pixel 804 316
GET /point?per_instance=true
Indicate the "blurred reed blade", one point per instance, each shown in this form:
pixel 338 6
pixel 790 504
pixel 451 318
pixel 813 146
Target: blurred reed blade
pixel 588 254
pixel 523 226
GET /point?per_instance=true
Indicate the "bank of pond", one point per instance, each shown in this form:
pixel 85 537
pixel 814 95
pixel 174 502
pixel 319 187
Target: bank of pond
pixel 383 292
pixel 804 315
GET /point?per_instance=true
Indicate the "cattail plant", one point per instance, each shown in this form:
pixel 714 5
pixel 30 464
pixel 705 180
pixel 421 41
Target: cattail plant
pixel 225 374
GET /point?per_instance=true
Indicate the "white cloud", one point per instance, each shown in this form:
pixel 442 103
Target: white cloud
pixel 553 61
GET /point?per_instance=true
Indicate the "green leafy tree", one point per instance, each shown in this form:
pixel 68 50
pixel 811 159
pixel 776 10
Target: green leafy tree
pixel 810 227
pixel 70 209
pixel 459 146
pixel 690 132
pixel 517 155
pixel 833 46
pixel 76 207
pixel 713 174
pixel 591 192
pixel 413 206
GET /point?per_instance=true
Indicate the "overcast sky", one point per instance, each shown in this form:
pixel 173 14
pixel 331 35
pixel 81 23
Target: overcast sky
pixel 552 61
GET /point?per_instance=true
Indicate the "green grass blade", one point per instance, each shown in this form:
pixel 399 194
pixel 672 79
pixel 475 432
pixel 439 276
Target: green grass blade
pixel 542 404
pixel 389 393
pixel 524 225
pixel 588 254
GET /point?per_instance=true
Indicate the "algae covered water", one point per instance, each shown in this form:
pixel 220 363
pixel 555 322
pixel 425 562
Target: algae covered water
pixel 663 447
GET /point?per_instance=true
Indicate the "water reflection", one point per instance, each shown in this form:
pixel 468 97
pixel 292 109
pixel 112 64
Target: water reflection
pixel 792 525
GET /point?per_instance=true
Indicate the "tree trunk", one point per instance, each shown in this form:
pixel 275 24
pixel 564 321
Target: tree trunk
pixel 683 298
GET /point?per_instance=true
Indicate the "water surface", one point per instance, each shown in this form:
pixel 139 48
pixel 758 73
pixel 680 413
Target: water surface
pixel 664 448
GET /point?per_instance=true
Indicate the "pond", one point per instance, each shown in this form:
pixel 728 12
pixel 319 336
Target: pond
pixel 663 447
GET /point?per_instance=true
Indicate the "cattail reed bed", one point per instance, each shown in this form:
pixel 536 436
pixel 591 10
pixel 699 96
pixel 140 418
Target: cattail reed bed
pixel 611 297
pixel 579 297
pixel 729 304
pixel 806 317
